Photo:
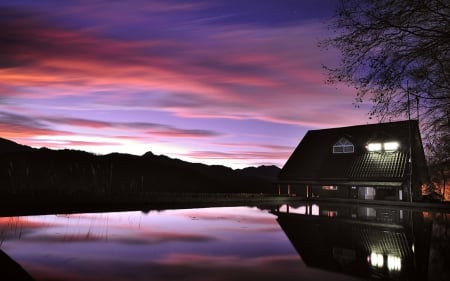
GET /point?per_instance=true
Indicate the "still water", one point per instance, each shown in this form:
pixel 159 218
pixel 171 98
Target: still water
pixel 303 242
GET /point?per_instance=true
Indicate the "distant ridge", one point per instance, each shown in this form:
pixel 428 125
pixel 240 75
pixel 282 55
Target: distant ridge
pixel 7 146
pixel 265 172
pixel 24 170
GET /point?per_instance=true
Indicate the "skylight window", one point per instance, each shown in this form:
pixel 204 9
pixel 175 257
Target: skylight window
pixel 374 146
pixel 343 145
pixel 383 147
pixel 391 146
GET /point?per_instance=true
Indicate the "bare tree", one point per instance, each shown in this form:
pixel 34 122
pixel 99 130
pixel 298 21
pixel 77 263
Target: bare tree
pixel 396 53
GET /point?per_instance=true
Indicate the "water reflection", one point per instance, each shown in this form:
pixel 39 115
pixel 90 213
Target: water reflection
pixel 369 242
pixel 196 244
pixel 239 243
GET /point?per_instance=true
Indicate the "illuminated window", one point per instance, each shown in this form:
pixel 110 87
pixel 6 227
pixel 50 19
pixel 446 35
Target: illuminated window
pixel 379 147
pixel 374 146
pixel 391 146
pixel 376 260
pixel 343 146
pixel 329 187
pixel 315 210
pixel 394 263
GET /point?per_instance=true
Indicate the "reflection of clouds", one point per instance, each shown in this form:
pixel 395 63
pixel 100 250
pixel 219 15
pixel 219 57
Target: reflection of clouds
pixel 127 228
pixel 20 222
pixel 220 244
pixel 229 219
pixel 136 227
pixel 176 236
pixel 234 214
pixel 51 272
pixel 186 267
pixel 229 268
pixel 228 260
pixel 195 267
pixel 17 227
pixel 176 267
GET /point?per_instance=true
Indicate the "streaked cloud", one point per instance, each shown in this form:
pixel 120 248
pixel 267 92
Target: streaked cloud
pixel 147 69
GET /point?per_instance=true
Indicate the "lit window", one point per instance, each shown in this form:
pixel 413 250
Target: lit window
pixel 387 146
pixel 374 146
pixel 315 210
pixel 391 146
pixel 343 146
pixel 376 260
pixel 394 263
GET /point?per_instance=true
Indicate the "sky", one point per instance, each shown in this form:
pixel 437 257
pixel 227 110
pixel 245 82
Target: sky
pixel 229 82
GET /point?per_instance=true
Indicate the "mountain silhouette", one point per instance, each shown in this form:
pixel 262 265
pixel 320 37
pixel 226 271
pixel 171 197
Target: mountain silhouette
pixel 10 146
pixel 27 171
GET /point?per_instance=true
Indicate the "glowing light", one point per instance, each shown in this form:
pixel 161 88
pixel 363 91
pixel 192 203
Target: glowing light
pixel 374 147
pixel 391 146
pixel 332 214
pixel 376 260
pixel 394 263
pixel 315 210
pixel 387 146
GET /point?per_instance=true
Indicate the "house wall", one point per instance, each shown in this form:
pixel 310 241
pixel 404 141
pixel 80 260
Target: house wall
pixel 355 192
pixel 388 193
pixel 366 192
pixel 337 192
pixel 344 191
pixel 298 190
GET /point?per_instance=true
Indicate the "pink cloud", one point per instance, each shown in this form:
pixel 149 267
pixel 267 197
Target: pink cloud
pixel 276 78
pixel 205 71
pixel 243 155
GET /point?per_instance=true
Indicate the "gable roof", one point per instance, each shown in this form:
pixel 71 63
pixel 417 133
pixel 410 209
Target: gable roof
pixel 314 161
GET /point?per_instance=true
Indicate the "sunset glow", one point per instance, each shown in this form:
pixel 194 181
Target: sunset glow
pixel 236 83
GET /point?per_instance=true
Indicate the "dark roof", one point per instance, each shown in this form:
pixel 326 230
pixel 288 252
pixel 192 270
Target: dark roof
pixel 314 161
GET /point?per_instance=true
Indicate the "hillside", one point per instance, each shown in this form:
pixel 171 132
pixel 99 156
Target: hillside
pixel 269 173
pixel 7 146
pixel 30 172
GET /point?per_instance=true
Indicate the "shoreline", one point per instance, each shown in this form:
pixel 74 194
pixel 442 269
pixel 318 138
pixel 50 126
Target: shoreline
pixel 23 206
pixel 13 206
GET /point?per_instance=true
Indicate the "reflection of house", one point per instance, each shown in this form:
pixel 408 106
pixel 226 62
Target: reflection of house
pixel 359 162
pixel 370 243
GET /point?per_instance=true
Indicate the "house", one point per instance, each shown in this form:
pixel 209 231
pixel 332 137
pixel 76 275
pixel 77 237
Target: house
pixel 383 161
